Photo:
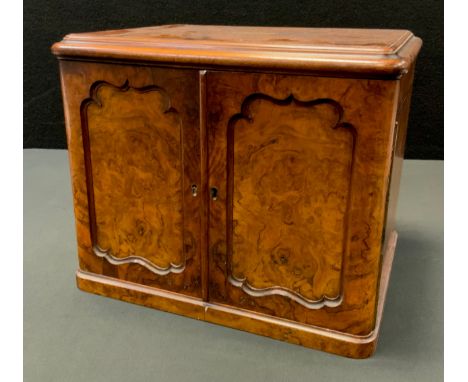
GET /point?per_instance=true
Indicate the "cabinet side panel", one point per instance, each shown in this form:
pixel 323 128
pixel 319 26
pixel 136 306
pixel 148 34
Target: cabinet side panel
pixel 401 126
pixel 72 92
pixel 133 137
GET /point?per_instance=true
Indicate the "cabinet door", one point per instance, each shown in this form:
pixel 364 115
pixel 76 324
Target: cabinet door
pixel 133 135
pixel 298 166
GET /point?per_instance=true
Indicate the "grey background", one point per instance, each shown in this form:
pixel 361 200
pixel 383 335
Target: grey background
pixel 70 335
pixel 47 21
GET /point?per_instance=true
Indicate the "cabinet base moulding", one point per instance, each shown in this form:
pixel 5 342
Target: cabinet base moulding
pixel 331 341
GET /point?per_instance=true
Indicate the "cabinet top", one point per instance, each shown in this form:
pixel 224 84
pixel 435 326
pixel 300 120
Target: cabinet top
pixel 365 52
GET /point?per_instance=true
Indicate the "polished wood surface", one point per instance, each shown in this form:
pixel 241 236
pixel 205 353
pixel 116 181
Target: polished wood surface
pixel 354 40
pixel 297 227
pixel 285 330
pixel 254 198
pixel 133 142
pixel 401 126
pixel 136 153
pixel 365 52
pixel 290 162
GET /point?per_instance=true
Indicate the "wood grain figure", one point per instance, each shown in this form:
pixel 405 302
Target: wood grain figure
pixel 245 176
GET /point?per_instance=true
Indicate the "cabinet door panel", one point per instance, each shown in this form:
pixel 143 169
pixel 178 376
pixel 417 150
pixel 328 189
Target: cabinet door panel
pixel 136 166
pixel 289 198
pixel 290 156
pixel 140 147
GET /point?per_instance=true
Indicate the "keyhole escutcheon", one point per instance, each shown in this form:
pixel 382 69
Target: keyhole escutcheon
pixel 194 190
pixel 214 193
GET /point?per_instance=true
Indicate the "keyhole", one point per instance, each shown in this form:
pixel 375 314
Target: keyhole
pixel 194 190
pixel 214 193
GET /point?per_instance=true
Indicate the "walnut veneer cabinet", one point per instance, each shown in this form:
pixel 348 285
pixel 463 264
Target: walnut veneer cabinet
pixel 239 175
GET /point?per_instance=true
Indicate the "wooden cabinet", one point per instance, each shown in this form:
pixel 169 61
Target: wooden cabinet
pixel 248 179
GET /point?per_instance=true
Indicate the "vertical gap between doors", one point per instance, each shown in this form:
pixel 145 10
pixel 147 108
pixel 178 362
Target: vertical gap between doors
pixel 204 194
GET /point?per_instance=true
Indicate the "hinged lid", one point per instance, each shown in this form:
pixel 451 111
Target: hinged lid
pixel 375 52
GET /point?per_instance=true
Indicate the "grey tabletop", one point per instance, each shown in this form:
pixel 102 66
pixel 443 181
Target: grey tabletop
pixel 74 336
